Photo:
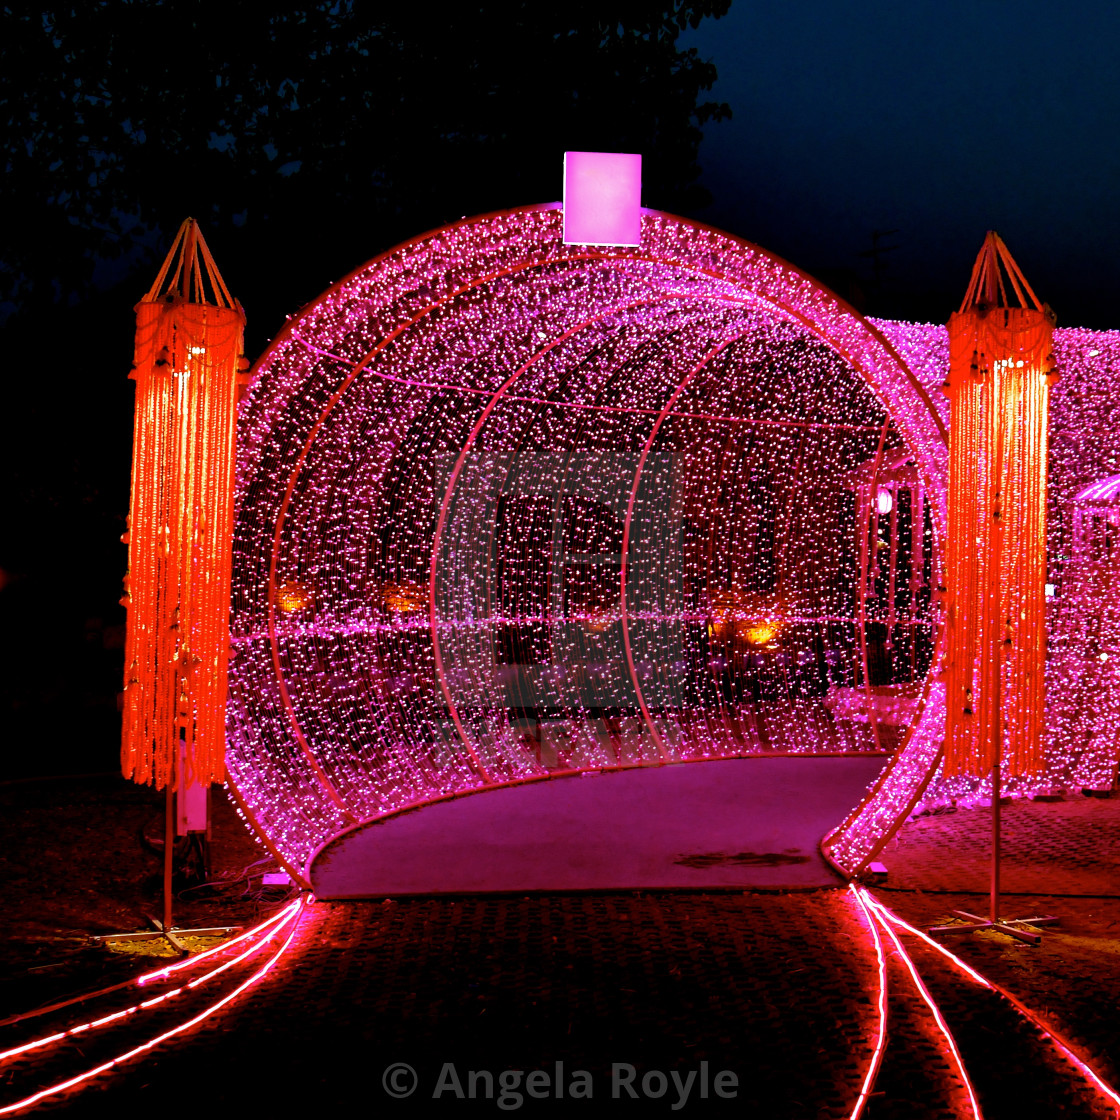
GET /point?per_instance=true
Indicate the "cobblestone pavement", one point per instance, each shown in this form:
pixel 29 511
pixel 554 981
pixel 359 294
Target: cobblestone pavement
pixel 1048 847
pixel 778 989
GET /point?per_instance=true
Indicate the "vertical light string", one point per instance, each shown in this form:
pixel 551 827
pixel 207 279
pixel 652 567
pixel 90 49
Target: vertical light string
pixel 187 360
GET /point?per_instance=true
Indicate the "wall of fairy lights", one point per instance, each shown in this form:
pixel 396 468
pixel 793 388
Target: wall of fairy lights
pixel 1083 617
pixel 511 508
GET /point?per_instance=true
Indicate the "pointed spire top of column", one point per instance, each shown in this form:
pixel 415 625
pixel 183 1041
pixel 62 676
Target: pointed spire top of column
pixel 987 287
pixel 189 273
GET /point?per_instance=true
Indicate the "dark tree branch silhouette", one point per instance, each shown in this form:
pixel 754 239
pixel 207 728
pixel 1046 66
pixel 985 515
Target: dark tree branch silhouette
pixel 305 139
pixel 335 128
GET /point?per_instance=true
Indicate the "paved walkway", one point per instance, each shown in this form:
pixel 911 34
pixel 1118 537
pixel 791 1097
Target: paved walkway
pixel 745 823
pixel 1049 847
pixel 779 990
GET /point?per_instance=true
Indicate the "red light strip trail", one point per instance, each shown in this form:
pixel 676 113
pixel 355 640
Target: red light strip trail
pixel 189 962
pixel 71 1082
pixel 894 919
pixel 282 915
pixel 287 914
pixel 923 991
pixel 881 1042
pixel 1065 1048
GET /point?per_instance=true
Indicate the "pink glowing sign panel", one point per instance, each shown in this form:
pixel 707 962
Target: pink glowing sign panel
pixel 602 198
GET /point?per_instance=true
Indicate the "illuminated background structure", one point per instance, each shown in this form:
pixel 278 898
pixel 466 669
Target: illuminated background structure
pixel 510 507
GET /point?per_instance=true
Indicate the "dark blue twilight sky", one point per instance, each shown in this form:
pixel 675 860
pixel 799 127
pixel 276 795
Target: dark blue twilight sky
pixel 941 120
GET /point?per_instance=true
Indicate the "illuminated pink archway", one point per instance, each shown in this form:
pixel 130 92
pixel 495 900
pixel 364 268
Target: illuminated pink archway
pixel 510 508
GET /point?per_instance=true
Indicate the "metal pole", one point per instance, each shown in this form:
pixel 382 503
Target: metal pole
pixel 168 848
pixel 995 840
pixel 996 648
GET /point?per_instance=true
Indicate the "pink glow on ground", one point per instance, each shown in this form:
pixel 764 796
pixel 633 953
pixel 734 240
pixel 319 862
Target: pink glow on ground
pixel 628 829
pixel 602 198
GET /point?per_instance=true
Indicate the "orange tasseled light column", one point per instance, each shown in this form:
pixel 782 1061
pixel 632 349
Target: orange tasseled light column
pixel 999 378
pixel 189 343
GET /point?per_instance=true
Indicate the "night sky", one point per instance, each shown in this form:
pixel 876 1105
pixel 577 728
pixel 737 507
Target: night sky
pixel 938 121
pixel 941 120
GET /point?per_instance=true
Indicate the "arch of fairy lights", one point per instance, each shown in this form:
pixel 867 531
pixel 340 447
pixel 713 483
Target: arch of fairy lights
pixel 509 508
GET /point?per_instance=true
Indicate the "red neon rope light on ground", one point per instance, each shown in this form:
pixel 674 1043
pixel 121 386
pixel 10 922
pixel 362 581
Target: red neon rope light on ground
pixel 38 1044
pixel 6 1110
pixel 1063 1046
pixel 896 920
pixel 187 963
pixel 881 1042
pixel 1066 1048
pixel 288 910
pixel 938 1018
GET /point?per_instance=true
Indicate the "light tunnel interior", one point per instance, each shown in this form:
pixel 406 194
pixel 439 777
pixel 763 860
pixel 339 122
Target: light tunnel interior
pixel 567 510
